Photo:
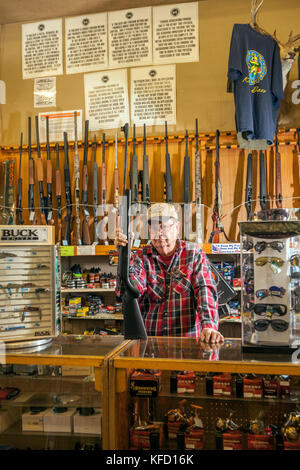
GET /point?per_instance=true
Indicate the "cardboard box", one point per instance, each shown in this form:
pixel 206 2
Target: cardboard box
pixel 233 440
pixel 260 442
pixel 186 382
pixel 222 385
pixel 144 384
pixel 8 417
pixel 146 437
pixel 59 422
pixel 194 438
pixel 88 424
pixel 33 421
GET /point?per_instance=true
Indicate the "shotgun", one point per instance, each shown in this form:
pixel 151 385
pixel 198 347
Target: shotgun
pixel 217 210
pixel 86 239
pixel 116 179
pixel 40 173
pixel 67 238
pixel 19 210
pixel 31 207
pixel 95 190
pixel 9 192
pixel 58 194
pixel 77 237
pixel 198 190
pixel 168 175
pixel 248 198
pixel 50 219
pixel 278 184
pixel 134 171
pixel 187 190
pixel 134 327
pixel 102 225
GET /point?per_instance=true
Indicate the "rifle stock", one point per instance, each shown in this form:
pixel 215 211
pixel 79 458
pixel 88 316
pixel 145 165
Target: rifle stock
pixel 134 327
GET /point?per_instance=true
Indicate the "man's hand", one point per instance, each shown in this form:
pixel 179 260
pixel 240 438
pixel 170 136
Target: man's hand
pixel 209 335
pixel 121 239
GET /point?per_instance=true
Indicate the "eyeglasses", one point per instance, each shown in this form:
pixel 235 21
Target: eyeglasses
pixel 275 245
pixel 270 309
pixel 273 291
pixel 277 324
pixel 164 227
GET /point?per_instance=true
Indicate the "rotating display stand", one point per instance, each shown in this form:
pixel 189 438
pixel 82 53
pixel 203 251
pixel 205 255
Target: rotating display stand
pixel 29 286
pixel 270 300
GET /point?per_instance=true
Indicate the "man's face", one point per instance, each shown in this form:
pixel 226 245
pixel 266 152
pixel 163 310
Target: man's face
pixel 164 234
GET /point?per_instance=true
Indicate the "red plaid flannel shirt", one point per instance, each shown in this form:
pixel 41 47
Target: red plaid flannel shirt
pixel 178 300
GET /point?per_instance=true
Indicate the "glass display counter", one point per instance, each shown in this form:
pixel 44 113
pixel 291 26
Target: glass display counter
pixel 54 395
pixel 178 393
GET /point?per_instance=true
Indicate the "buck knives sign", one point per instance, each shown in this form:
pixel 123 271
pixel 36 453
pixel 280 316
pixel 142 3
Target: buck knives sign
pixel 15 234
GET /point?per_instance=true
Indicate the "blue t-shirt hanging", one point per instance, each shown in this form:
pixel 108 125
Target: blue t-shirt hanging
pixel 254 66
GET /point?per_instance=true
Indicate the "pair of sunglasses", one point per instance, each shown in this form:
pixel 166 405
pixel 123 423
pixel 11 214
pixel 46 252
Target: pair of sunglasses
pixel 261 309
pixel 262 260
pixel 275 245
pixel 277 324
pixel 273 291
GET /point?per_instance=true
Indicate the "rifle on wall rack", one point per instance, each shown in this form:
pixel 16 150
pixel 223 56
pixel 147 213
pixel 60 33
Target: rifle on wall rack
pixel 95 190
pixel 262 182
pixel 278 184
pixel 40 173
pixel 187 190
pixel 198 190
pixel 168 175
pixel 134 327
pixel 86 239
pixel 77 231
pixel 116 182
pixel 50 219
pixel 145 174
pixel 31 207
pixel 58 194
pixel 101 232
pixel 68 217
pixel 248 197
pixel 19 209
pixel 217 210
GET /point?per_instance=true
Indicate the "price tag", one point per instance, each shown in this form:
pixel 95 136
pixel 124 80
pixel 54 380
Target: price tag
pixel 67 250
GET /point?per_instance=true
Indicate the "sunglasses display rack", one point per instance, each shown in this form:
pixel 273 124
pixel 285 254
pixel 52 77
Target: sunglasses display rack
pixel 270 261
pixel 29 296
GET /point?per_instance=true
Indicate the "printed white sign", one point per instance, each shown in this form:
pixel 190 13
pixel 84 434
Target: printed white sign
pixel 175 33
pixel 42 49
pixel 106 99
pixel 153 95
pixel 60 122
pixel 86 43
pixel 44 92
pixel 130 37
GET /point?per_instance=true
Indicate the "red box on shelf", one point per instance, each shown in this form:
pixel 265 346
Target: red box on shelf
pixel 194 438
pixel 186 382
pixel 222 385
pixel 260 442
pixel 233 440
pixel 146 437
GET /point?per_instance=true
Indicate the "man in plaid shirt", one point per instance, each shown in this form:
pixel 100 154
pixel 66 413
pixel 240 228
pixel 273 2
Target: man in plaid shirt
pixel 178 293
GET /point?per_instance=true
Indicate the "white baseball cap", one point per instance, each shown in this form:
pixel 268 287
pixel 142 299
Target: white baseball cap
pixel 162 210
